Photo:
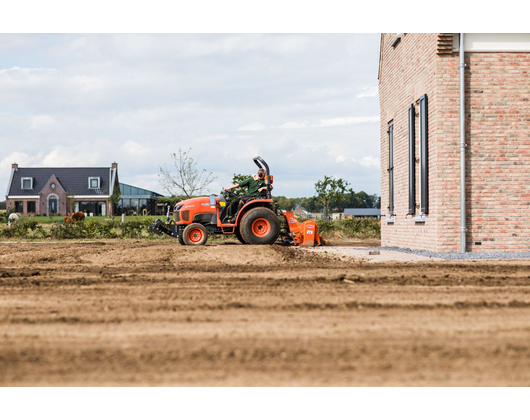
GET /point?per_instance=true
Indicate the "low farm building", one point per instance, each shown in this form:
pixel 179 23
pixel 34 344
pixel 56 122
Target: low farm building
pixel 362 213
pixel 455 141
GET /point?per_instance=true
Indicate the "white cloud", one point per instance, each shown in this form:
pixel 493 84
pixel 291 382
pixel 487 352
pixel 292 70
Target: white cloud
pixel 40 122
pixel 368 161
pixel 256 126
pixel 23 76
pixel 368 92
pixel 293 124
pixel 135 149
pixel 87 83
pixel 78 155
pixel 333 122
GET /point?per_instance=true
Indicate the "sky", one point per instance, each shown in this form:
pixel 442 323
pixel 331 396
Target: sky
pixel 306 103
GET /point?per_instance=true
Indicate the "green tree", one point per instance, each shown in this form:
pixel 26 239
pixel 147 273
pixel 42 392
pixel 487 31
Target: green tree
pixel 114 198
pixel 285 203
pixel 329 191
pixel 183 177
pixel 171 200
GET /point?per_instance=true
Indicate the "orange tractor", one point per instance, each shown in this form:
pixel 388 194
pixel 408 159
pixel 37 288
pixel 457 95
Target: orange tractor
pixel 257 220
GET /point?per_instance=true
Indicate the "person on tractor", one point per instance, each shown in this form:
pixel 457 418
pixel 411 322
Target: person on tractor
pixel 255 188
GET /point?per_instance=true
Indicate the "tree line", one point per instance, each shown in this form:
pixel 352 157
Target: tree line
pixel 331 196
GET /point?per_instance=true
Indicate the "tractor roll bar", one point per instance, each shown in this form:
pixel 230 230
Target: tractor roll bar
pixel 257 161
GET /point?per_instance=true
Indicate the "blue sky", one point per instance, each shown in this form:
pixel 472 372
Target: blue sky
pixel 307 104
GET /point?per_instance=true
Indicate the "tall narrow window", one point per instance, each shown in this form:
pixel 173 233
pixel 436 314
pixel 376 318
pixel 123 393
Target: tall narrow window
pixel 391 168
pixel 412 160
pixel 424 157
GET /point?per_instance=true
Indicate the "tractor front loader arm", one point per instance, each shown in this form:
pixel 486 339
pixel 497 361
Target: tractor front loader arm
pixel 158 227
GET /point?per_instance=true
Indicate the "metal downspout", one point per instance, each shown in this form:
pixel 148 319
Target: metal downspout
pixel 463 229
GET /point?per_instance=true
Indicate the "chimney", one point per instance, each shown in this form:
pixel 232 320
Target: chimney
pixel 114 165
pixel 14 166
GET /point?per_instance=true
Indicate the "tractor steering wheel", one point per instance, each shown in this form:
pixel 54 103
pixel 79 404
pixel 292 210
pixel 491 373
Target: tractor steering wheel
pixel 230 193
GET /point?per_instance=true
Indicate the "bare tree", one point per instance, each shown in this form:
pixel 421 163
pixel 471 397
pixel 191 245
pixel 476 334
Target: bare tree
pixel 182 176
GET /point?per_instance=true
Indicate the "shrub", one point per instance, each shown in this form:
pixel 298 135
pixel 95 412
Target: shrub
pixel 325 225
pixel 133 228
pixel 67 231
pixel 24 229
pixel 361 227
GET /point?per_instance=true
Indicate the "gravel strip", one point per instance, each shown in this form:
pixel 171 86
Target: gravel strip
pixel 523 255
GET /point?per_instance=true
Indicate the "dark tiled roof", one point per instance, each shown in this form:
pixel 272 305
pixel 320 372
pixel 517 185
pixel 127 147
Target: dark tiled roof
pixel 73 180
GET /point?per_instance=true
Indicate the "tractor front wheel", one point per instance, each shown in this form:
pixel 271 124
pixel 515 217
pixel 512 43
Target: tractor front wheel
pixel 260 226
pixel 195 234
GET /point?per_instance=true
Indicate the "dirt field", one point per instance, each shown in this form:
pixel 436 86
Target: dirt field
pixel 157 313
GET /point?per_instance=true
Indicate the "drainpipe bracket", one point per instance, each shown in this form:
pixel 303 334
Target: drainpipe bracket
pixel 463 229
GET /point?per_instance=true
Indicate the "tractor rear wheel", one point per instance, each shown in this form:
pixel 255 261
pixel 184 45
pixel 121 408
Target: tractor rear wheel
pixel 260 226
pixel 195 234
pixel 181 240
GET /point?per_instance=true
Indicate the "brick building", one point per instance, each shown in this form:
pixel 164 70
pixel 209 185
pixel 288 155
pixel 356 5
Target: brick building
pixel 48 191
pixel 419 91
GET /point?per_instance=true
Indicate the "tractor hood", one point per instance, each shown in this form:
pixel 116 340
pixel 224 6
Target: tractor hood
pixel 192 203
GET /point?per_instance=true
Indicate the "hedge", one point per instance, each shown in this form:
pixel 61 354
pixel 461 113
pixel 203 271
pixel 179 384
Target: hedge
pixel 86 229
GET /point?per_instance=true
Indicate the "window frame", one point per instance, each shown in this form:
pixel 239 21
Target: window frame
pixel 90 179
pixel 26 178
pixel 34 205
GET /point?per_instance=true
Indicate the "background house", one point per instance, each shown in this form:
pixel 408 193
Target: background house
pixel 420 141
pixel 301 212
pixel 62 190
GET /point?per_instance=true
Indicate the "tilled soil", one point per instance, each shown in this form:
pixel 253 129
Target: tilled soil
pixel 158 313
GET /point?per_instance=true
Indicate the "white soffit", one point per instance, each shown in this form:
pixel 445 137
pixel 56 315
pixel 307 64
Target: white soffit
pixel 493 42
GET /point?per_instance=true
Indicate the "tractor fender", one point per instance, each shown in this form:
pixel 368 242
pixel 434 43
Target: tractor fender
pixel 253 204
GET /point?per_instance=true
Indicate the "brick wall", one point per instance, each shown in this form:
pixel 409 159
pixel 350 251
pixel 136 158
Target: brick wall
pixel 497 134
pixel 58 191
pixel 407 72
pixel 498 156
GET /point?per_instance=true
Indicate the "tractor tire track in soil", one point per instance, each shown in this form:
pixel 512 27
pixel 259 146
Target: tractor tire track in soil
pixel 158 313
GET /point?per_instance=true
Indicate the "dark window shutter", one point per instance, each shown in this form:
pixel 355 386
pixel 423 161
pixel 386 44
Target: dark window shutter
pixel 424 193
pixel 412 160
pixel 391 168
